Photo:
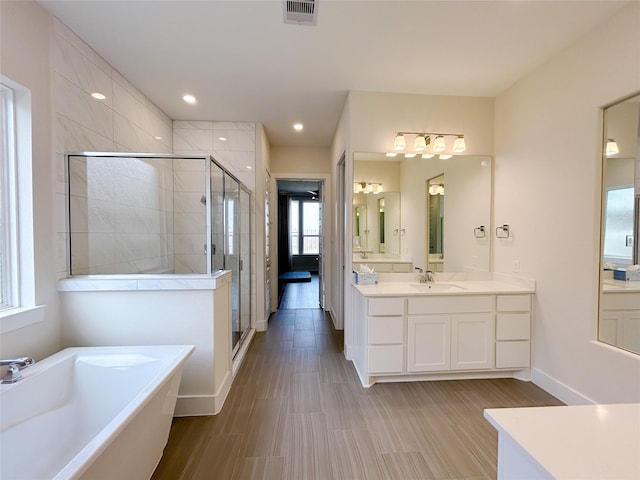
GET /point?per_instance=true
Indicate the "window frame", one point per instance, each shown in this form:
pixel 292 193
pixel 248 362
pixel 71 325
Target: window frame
pixel 19 243
pixel 8 202
pixel 300 237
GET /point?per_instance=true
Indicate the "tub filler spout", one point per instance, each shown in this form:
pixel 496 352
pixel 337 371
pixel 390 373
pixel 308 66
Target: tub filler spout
pixel 15 365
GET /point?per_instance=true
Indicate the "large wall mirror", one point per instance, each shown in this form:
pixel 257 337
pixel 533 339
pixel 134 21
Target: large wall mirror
pixel 437 213
pixel 619 320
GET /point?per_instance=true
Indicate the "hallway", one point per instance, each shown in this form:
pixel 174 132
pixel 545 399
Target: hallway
pixel 297 411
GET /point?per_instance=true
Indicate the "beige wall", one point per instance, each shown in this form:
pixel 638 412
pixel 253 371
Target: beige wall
pixel 375 117
pixel 369 122
pixel 300 160
pixel 25 46
pixel 549 127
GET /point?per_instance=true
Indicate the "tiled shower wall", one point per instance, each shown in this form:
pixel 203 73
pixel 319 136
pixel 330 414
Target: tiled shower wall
pixel 121 215
pixel 124 121
pixel 237 153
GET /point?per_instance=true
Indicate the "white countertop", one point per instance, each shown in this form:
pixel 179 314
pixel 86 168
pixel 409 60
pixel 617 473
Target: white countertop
pixel 128 282
pixel 620 286
pixel 490 284
pixel 576 442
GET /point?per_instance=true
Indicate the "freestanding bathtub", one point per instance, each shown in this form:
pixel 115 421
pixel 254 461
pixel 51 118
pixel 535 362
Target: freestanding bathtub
pixel 91 413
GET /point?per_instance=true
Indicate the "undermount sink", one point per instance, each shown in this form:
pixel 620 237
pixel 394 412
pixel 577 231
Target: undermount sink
pixel 437 287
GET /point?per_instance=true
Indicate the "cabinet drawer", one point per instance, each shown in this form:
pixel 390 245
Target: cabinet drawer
pixel 513 303
pixel 386 306
pixel 385 330
pixel 512 354
pixel 450 304
pixel 513 326
pixel 386 359
pixel 620 301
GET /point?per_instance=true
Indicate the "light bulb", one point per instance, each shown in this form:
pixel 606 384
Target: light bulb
pixel 439 144
pixel 428 155
pixel 612 147
pixel 445 157
pixel 399 143
pixel 459 145
pixel 419 145
pixel 409 155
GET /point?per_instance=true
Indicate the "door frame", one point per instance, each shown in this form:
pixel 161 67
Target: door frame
pixel 324 179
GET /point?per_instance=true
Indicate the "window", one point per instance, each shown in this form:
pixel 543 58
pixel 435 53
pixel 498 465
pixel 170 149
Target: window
pixel 7 199
pixel 305 214
pixel 17 270
pixel 618 236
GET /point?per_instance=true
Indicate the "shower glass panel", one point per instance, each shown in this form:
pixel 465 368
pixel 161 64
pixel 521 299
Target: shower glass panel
pixel 133 213
pixel 137 214
pixel 232 252
pixel 217 217
pixel 245 262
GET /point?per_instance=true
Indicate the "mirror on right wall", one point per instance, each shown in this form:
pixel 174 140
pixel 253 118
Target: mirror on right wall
pixel 619 319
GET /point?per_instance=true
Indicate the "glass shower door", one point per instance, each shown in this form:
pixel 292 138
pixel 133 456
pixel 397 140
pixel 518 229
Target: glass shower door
pixel 245 261
pixel 232 252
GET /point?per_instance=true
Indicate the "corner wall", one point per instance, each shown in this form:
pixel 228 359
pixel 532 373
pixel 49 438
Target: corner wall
pixel 548 142
pixel 25 57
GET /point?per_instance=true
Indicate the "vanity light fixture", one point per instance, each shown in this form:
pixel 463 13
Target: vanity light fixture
pixel 399 143
pixel 439 145
pixel 367 187
pixel 611 148
pixel 445 156
pixel 459 145
pixel 409 155
pixel 423 140
pixel 392 154
pixel 420 143
pixel 428 155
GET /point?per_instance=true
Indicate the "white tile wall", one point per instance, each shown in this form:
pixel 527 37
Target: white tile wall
pixel 124 121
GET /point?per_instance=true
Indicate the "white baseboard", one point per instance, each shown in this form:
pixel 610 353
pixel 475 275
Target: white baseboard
pixel 558 389
pixel 261 325
pixel 198 405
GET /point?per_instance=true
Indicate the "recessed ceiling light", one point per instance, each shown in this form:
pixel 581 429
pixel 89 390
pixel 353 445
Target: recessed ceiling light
pixel 98 96
pixel 222 139
pixel 158 138
pixel 189 98
pixel 249 167
pixel 298 126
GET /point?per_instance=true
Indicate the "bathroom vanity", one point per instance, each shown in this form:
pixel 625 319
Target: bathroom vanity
pixel 620 314
pixel 468 326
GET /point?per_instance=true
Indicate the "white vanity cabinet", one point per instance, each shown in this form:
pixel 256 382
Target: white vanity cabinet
pixel 450 333
pixel 620 319
pixel 403 336
pixel 513 331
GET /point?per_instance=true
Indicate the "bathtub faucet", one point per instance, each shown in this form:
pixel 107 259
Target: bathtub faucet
pixel 15 365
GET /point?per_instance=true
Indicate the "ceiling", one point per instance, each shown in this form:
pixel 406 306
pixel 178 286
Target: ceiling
pixel 243 63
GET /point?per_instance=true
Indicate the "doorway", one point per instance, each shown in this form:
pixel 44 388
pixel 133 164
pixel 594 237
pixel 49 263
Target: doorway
pixel 300 243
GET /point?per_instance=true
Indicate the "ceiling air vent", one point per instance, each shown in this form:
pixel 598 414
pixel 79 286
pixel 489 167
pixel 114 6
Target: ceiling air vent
pixel 300 12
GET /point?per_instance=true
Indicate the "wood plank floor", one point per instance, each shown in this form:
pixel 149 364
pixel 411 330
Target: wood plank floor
pixel 297 411
pixel 301 294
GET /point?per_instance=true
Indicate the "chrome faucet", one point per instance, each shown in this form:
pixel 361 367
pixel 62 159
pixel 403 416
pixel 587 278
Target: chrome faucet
pixel 15 365
pixel 428 277
pixel 363 254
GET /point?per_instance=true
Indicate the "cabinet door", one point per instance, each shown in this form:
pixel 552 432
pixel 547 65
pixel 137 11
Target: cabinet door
pixel 472 342
pixel 428 343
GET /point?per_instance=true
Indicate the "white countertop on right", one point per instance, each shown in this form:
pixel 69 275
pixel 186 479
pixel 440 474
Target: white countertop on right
pixel 576 442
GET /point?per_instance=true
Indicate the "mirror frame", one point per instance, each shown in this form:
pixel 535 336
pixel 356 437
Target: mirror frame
pixel 613 309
